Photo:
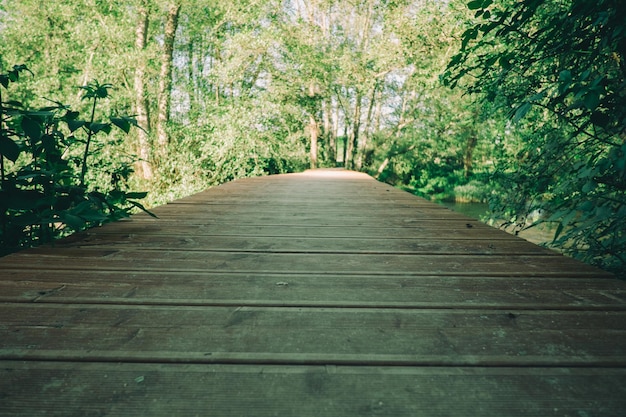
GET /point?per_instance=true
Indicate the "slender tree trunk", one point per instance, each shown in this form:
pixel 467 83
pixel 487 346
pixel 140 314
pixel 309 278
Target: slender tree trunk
pixel 313 131
pixel 365 134
pixel 333 110
pixel 470 146
pixel 468 156
pixel 328 133
pixel 370 110
pixel 382 167
pixel 165 77
pixel 144 169
pixel 313 126
pixel 191 75
pixel 345 146
pixel 378 111
pixel 356 159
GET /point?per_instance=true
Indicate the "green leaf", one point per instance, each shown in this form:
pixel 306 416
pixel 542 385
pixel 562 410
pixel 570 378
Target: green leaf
pixel 469 35
pixel 142 208
pixel 13 75
pixel 475 5
pixel 103 90
pixel 91 213
pixel 557 232
pixel 71 115
pixel 74 222
pixel 122 122
pixel 116 196
pixel 521 111
pixel 22 67
pixel 32 128
pixel 138 195
pixel 587 206
pixel 589 186
pixel 73 125
pixel 9 149
pixel 565 81
pixel 591 100
pixel 505 62
pixel 565 76
pixel 48 143
pixel 100 127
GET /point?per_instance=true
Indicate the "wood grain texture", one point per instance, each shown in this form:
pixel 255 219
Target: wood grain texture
pixel 130 389
pixel 324 293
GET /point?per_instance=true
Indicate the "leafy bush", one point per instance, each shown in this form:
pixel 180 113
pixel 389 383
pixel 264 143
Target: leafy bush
pixel 474 191
pixel 44 162
pixel 557 69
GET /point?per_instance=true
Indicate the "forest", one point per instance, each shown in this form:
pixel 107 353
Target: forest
pixel 111 106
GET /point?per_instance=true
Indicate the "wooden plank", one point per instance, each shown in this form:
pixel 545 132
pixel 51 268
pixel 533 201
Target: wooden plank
pixel 331 209
pixel 349 263
pixel 309 290
pixel 273 228
pixel 34 389
pixel 259 218
pixel 346 336
pixel 294 244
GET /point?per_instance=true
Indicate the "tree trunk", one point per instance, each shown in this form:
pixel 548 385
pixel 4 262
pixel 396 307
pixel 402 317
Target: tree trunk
pixel 356 159
pixel 144 169
pixel 192 76
pixel 335 128
pixel 365 134
pixel 313 126
pixel 328 133
pixel 165 77
pixel 313 131
pixel 468 156
pixel 370 110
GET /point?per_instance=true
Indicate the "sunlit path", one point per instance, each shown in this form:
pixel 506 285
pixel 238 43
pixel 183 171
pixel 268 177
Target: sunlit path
pixel 324 293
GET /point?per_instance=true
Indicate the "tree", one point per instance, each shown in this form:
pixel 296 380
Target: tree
pixel 253 86
pixel 141 102
pixel 558 70
pixel 165 76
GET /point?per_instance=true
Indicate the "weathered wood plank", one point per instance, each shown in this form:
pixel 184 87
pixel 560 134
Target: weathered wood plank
pixel 452 229
pixel 293 244
pixel 320 217
pixel 330 210
pixel 349 263
pixel 301 290
pixel 312 335
pixel 34 389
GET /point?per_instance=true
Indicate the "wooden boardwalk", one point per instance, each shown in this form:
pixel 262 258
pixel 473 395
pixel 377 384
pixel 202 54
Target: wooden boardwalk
pixel 317 294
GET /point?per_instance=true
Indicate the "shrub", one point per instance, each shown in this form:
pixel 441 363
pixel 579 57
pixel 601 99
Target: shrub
pixel 44 161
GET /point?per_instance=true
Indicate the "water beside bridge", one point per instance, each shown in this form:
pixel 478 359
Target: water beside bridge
pixel 480 211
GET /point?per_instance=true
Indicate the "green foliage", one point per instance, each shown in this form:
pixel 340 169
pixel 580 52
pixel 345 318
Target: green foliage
pixel 558 70
pixel 255 83
pixel 44 154
pixel 260 143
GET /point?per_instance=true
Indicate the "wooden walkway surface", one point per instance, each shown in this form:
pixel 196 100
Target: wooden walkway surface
pixel 317 294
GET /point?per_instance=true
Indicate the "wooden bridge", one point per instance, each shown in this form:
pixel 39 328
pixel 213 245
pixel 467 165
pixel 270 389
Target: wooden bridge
pixel 318 294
